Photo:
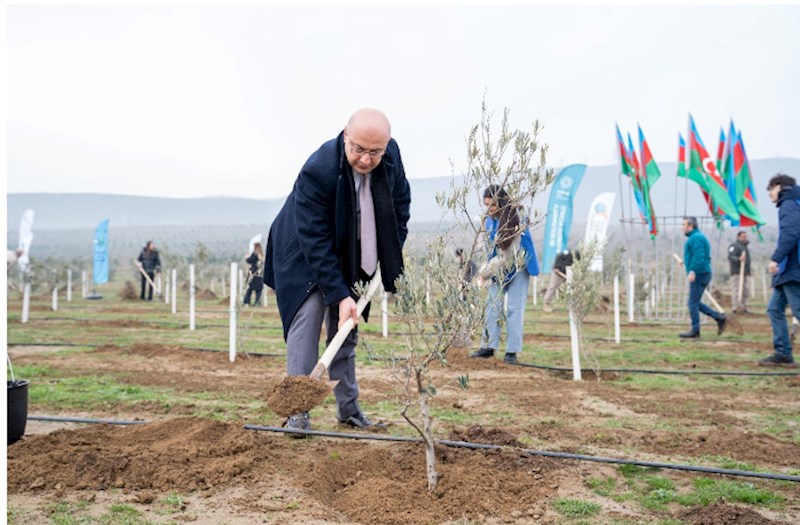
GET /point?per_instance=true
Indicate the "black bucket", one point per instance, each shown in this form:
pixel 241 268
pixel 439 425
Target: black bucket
pixel 17 409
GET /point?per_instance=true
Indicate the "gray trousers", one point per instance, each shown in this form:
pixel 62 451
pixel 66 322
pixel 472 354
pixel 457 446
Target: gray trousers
pixel 302 352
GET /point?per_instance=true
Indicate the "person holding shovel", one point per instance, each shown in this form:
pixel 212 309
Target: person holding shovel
pixel 559 276
pixel 784 265
pixel 739 258
pixel 346 215
pixel 697 261
pixel 149 263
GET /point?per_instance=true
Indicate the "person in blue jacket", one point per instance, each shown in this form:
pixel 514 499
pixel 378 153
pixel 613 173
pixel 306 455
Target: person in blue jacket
pixel 697 261
pixel 785 268
pixel 347 213
pixel 512 261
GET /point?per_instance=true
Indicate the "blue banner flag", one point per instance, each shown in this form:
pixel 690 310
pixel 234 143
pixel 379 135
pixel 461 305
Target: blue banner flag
pixel 559 213
pixel 100 272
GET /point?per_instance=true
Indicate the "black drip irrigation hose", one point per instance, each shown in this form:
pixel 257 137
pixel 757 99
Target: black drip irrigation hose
pixel 56 419
pixel 665 372
pixel 531 452
pixel 529 365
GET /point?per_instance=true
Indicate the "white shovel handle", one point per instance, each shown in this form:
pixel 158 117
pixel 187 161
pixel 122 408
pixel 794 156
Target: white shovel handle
pixel 346 328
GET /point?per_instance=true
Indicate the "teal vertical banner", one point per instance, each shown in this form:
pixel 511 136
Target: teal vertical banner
pixel 100 272
pixel 559 213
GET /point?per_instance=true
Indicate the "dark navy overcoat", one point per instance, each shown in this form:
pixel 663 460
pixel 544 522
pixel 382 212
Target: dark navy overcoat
pixel 313 242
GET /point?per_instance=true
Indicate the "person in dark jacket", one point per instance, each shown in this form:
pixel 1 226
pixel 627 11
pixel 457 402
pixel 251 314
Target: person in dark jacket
pixel 256 283
pixel 697 261
pixel 150 262
pixel 559 275
pixel 347 213
pixel 785 268
pixel 738 255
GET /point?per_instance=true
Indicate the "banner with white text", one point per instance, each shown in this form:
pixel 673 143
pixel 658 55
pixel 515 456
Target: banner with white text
pixel 100 269
pixel 597 227
pixel 559 212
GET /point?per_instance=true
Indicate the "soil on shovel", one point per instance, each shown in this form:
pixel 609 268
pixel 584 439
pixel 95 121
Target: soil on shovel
pixel 297 394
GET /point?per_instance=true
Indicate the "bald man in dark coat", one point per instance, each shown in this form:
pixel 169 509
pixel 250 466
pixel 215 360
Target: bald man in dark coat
pixel 315 248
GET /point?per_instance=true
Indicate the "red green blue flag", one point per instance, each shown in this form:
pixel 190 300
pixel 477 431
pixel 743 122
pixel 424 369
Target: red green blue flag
pixel 648 177
pixel 702 166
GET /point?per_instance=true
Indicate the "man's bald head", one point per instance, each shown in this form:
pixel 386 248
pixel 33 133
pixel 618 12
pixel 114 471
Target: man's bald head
pixel 370 119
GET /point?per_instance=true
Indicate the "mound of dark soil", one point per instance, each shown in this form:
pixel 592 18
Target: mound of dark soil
pixel 722 514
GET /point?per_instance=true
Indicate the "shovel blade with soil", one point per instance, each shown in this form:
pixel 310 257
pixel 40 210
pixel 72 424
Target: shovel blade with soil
pixel 302 393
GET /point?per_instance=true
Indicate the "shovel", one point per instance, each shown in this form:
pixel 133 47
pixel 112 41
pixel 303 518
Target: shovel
pixel 149 280
pixel 336 343
pixel 731 319
pixel 302 393
pixel 741 285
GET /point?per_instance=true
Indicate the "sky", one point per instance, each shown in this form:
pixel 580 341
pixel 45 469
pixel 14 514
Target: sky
pixel 193 101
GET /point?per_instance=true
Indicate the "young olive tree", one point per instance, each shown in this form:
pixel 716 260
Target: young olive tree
pixel 436 304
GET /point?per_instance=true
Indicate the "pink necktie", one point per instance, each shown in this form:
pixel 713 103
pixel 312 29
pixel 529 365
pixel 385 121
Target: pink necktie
pixel 369 241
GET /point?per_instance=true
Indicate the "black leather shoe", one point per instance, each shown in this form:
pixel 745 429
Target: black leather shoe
pixel 360 420
pixel 721 325
pixel 483 352
pixel 690 335
pixel 510 358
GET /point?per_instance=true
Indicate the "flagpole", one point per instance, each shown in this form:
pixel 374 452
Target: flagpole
pixel 622 209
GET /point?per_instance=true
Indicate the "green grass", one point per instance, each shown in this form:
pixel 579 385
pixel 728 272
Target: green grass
pixel 575 508
pixel 655 492
pixel 708 490
pixel 86 392
pixel 782 425
pixel 602 487
pixel 97 392
pixel 173 503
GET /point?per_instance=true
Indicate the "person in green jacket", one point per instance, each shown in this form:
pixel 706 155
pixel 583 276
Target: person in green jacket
pixel 697 260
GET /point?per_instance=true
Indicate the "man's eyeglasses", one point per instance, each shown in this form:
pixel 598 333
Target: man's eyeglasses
pixel 360 151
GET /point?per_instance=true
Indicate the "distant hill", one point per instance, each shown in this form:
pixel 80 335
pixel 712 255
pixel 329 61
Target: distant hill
pixel 85 210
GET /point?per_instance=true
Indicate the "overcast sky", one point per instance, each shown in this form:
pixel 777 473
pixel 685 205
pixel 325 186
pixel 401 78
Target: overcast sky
pixel 197 101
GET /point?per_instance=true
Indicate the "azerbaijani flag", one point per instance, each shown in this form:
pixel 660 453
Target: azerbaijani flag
pixel 703 166
pixel 721 149
pixel 637 183
pixel 681 156
pixel 624 156
pixel 650 174
pixel 651 170
pixel 745 194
